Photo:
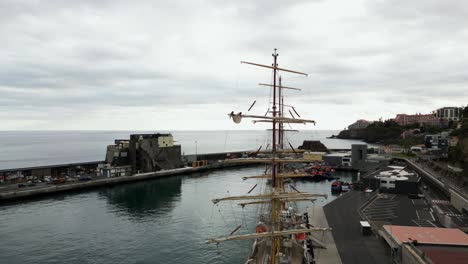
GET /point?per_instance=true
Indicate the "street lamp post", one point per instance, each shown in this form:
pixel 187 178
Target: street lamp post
pixel 196 154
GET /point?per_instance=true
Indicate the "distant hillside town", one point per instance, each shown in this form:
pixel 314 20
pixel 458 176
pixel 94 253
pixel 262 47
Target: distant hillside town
pixel 443 117
pixel 440 137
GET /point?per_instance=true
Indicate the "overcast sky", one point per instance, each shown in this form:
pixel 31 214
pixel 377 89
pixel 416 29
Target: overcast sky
pixel 166 65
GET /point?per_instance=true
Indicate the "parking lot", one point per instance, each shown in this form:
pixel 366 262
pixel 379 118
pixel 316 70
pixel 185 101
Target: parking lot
pixel 400 210
pixel 383 208
pixel 24 186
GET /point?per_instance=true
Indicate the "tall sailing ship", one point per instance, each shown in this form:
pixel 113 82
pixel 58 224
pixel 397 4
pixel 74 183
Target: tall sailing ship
pixel 282 234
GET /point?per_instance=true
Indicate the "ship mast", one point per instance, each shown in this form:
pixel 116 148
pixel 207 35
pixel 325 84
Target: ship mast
pixel 281 113
pixel 278 197
pixel 273 169
pixel 275 243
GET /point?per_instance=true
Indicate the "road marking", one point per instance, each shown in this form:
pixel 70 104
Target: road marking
pixel 382 210
pixel 367 206
pixel 384 205
pixel 382 218
pixel 380 213
pixel 433 218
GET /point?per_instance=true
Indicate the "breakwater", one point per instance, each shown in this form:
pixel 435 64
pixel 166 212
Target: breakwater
pixel 9 195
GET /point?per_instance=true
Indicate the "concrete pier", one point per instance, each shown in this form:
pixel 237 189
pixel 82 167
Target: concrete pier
pixel 329 255
pixel 342 215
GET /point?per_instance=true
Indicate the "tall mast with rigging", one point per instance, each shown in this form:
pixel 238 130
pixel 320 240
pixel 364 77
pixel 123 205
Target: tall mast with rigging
pixel 278 196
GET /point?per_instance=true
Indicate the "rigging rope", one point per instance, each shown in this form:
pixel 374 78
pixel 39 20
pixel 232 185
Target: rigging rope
pixel 233 212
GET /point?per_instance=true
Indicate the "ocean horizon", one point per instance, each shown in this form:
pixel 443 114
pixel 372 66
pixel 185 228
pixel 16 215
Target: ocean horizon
pixel 29 148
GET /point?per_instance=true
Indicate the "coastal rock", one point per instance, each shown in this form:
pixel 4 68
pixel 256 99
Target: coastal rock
pixel 313 145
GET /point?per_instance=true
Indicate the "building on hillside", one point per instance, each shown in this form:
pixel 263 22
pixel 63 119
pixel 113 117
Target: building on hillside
pixel 409 133
pixel 360 124
pixel 439 142
pixel 449 113
pixel 392 149
pixel 421 119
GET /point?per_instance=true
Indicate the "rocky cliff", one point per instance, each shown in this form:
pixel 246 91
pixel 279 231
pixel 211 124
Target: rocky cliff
pixel 375 132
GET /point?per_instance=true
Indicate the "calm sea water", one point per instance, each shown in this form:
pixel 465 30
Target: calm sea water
pixel 36 148
pixel 160 221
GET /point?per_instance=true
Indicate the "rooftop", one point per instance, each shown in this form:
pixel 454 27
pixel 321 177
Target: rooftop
pixel 440 255
pixel 427 235
pixel 397 173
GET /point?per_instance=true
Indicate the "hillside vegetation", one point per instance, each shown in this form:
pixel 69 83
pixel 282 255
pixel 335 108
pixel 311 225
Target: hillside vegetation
pixel 387 132
pixel 459 155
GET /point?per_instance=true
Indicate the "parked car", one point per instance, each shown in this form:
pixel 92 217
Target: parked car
pixel 59 180
pixel 21 185
pixel 85 178
pixel 345 187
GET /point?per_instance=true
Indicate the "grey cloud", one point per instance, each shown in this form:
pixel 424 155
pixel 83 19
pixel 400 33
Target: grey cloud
pixel 87 55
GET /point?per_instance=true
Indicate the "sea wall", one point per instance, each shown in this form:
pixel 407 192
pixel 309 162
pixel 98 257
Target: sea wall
pixel 409 255
pixel 458 201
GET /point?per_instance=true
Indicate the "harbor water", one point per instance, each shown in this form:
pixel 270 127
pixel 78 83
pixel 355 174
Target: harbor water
pixel 164 220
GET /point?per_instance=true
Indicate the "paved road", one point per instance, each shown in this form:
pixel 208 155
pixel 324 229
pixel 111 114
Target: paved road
pixel 446 182
pixel 342 216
